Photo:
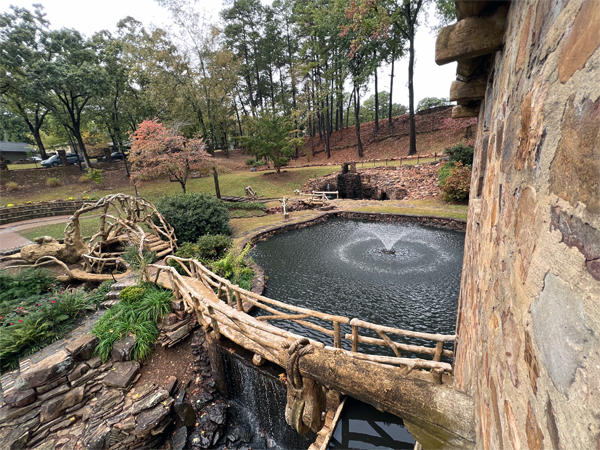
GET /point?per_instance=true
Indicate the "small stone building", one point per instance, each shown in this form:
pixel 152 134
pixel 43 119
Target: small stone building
pixel 528 330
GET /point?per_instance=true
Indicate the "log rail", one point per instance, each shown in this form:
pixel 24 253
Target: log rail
pixel 233 303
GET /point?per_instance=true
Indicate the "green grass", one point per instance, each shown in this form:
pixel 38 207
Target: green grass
pixel 419 207
pixel 23 166
pixel 89 227
pixel 266 184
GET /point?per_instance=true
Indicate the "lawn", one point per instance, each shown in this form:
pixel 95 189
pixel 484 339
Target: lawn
pixel 89 226
pixel 266 184
pixel 430 207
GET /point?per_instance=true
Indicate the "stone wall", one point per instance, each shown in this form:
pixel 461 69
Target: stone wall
pixel 382 183
pixel 528 346
pixel 70 400
pixel 35 211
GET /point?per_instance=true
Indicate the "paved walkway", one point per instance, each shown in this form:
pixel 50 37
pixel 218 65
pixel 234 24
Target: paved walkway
pixel 9 237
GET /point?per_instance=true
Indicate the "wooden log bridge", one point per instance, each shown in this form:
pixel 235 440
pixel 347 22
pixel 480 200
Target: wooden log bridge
pixel 417 390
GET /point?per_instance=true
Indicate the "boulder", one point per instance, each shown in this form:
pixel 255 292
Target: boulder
pixel 185 415
pixel 48 369
pixel 149 401
pixel 121 374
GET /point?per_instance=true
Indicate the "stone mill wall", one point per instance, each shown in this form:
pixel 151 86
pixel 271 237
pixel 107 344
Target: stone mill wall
pixel 528 345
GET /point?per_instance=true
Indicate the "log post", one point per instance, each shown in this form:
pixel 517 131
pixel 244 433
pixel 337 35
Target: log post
pixel 240 304
pixel 439 350
pixel 337 335
pixel 355 338
pixel 214 323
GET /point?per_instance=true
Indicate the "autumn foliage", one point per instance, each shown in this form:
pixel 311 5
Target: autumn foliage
pixel 157 151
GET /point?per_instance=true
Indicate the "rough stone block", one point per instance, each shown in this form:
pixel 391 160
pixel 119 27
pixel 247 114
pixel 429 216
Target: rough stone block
pixel 49 386
pixel 83 347
pixel 171 384
pixel 122 374
pixel 560 331
pixel 149 401
pixel 122 350
pixel 95 362
pixel 150 419
pixel 177 305
pixel 63 388
pixel 51 409
pixel 20 398
pixel 48 369
pixel 78 372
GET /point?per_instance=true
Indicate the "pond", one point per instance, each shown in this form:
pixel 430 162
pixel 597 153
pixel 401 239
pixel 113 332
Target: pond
pixel 395 274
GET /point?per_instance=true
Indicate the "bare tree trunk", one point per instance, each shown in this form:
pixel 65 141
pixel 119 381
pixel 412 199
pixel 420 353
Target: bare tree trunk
pixel 376 104
pixel 357 120
pixel 391 105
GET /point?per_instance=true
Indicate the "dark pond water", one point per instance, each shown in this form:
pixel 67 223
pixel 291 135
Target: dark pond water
pixel 338 267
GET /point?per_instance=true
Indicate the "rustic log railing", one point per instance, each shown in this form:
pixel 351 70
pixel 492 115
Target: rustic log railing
pixel 236 301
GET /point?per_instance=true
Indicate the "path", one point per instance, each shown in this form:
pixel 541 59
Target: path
pixel 9 237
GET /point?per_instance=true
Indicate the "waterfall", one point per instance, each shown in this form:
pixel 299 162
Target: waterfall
pixel 258 399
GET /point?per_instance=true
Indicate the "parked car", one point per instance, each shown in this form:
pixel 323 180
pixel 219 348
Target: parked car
pixel 54 160
pixel 114 155
pixel 34 159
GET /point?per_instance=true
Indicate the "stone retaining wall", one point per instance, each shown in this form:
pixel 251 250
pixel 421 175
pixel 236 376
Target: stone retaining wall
pixel 70 399
pixel 432 221
pixel 26 212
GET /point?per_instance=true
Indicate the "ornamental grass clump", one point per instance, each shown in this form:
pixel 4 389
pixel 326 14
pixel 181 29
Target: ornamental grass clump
pixel 137 314
pixel 52 182
pixel 11 186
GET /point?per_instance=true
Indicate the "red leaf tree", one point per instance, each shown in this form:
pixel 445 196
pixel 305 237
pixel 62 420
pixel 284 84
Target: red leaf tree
pixel 157 151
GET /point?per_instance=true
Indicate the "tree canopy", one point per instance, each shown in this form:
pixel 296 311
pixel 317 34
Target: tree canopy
pixel 308 61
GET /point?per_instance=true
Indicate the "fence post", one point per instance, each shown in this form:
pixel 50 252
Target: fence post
pixel 355 338
pixel 337 335
pixel 439 349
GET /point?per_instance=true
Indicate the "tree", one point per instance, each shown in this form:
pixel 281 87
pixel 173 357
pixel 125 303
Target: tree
pixel 22 50
pixel 158 151
pixel 271 135
pixel 12 127
pixel 74 75
pixel 431 102
pixel 377 19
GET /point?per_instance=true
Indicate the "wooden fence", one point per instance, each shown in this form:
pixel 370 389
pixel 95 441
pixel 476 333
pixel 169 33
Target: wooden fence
pixel 230 302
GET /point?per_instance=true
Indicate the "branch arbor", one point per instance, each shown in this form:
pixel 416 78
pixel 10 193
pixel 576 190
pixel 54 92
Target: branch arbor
pixel 271 135
pixel 158 151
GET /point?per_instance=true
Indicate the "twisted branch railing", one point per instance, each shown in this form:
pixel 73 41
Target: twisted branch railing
pixel 229 303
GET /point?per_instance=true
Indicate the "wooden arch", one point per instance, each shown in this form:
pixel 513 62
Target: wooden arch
pixel 124 221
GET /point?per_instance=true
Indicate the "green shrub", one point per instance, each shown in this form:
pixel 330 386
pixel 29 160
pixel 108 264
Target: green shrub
pixel 137 319
pixel 283 161
pixel 194 215
pixel 27 283
pixel 250 161
pixel 132 294
pixel 52 182
pixel 95 175
pixel 443 173
pixel 460 153
pixel 260 162
pixel 37 321
pixel 457 184
pixel 234 267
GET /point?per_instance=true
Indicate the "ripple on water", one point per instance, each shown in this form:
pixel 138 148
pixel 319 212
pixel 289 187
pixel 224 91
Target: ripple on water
pixel 338 267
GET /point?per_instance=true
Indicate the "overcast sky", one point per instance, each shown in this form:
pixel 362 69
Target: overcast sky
pixel 87 17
